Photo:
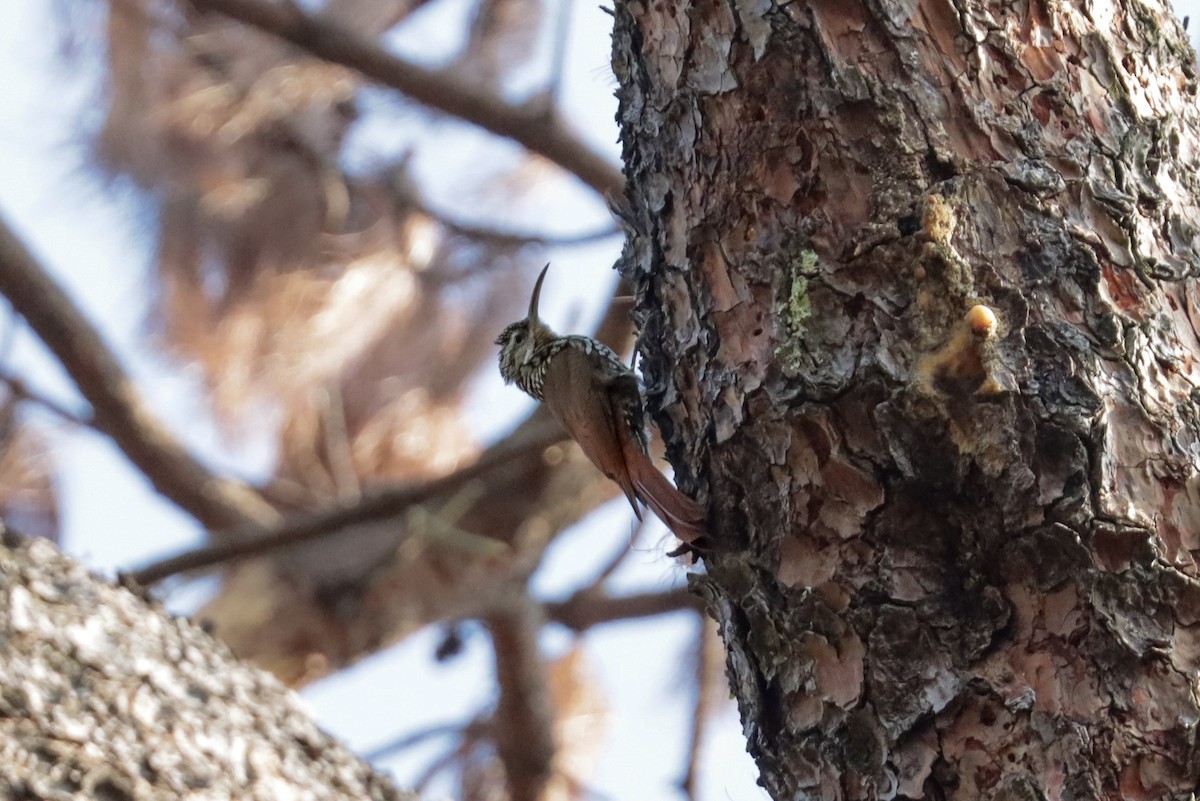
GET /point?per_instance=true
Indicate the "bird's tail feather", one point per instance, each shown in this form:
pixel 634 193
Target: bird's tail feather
pixel 684 516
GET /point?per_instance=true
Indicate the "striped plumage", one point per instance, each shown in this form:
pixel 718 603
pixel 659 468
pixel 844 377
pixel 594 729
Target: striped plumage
pixel 596 398
pixel 529 373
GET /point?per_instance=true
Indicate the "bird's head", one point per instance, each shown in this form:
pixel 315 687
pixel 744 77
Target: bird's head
pixel 519 341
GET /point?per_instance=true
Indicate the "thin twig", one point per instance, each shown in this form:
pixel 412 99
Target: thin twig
pixel 410 196
pixel 514 238
pixel 475 726
pixel 583 610
pixel 258 540
pixel 118 410
pixel 21 391
pixel 441 525
pixel 705 676
pixel 332 42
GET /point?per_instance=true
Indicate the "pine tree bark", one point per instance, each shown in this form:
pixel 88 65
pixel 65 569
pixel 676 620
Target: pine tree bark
pixel 918 316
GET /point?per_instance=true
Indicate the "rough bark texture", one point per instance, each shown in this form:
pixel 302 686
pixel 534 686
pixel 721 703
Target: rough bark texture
pixel 105 698
pixel 956 545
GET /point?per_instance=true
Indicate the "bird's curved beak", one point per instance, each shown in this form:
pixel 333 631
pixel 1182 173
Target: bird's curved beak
pixel 537 293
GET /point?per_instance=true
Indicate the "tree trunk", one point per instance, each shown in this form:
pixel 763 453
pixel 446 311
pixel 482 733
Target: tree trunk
pixel 918 316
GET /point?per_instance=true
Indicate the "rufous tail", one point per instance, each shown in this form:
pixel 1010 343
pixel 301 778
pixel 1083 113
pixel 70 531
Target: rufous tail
pixel 682 515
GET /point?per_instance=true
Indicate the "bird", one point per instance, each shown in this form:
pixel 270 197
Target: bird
pixel 597 399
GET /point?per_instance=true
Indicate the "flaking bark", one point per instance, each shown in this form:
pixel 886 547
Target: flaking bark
pixel 918 307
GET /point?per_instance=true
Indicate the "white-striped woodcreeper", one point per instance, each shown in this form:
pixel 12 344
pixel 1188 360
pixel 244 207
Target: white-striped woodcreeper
pixel 597 399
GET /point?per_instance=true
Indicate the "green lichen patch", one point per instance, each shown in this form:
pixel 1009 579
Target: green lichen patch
pixel 798 311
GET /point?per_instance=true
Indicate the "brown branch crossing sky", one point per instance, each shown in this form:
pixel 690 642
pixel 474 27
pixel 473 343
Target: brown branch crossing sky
pixel 257 540
pixel 117 409
pixel 532 126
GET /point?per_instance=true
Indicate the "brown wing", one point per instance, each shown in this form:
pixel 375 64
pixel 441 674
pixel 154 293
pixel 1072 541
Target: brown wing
pixel 576 392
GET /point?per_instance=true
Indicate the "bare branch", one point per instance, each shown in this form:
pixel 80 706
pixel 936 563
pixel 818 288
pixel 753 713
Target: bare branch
pixel 257 540
pixel 585 609
pixel 408 194
pixel 706 674
pixel 523 726
pixel 118 410
pixel 21 392
pixel 501 236
pixel 528 126
pixel 472 728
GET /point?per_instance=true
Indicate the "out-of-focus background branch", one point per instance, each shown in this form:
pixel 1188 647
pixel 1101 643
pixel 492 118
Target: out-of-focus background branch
pixel 117 411
pixel 325 214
